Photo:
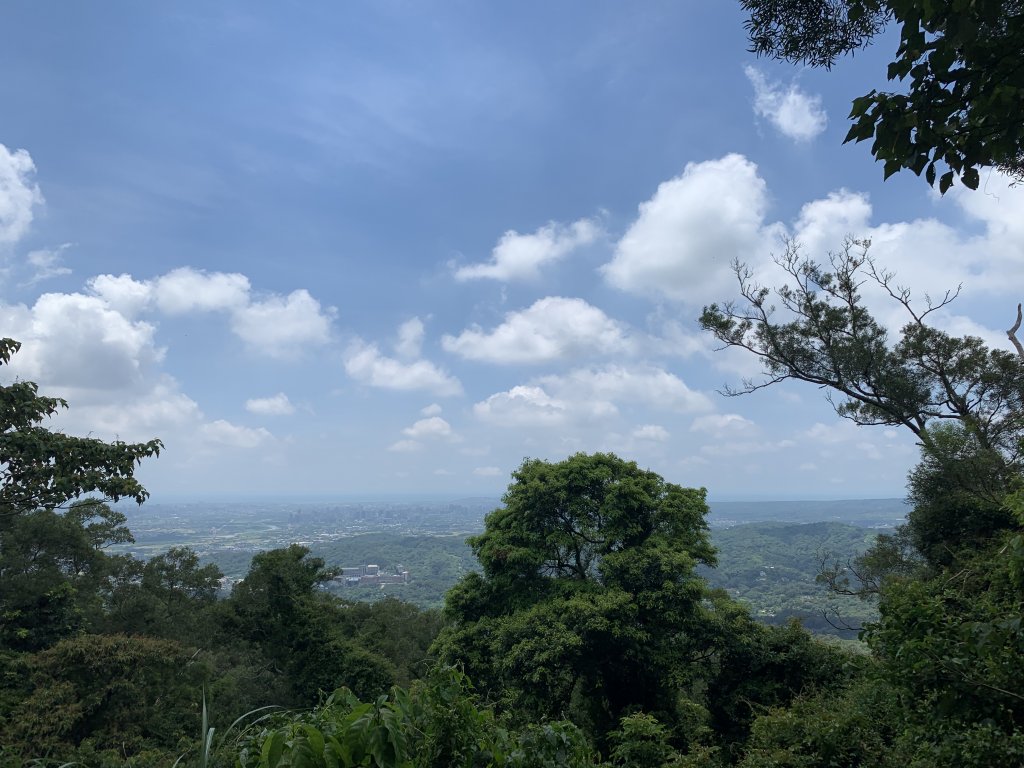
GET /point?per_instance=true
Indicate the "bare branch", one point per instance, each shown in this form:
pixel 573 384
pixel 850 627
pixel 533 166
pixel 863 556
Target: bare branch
pixel 1012 334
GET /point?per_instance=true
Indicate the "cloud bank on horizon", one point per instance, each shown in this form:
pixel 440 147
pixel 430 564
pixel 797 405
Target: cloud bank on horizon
pixel 326 340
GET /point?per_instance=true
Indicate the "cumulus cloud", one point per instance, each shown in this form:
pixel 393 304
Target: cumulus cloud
pixel 122 293
pixel 19 194
pixel 186 290
pixel 224 432
pixel 160 409
pixel 275 326
pixel 589 396
pixel 522 406
pixel 277 405
pixel 431 410
pixel 553 328
pixel 279 325
pixel 430 428
pixel 653 432
pixel 520 257
pixel 365 363
pixel 823 224
pixel 795 114
pixel 687 235
pixel 77 342
pixel 433 426
pixel 410 339
pixel 108 367
pixel 927 254
pixel 645 385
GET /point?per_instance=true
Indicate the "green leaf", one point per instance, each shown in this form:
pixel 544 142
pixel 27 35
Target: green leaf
pixel 272 750
pixel 891 167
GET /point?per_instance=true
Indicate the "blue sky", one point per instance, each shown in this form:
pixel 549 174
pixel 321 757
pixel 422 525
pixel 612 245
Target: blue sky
pixel 396 247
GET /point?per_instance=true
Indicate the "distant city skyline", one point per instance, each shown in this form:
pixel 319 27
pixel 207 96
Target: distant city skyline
pixel 356 250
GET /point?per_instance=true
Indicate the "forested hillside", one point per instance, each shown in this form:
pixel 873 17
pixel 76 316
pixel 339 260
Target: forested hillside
pixel 771 567
pixel 595 619
pixel 584 634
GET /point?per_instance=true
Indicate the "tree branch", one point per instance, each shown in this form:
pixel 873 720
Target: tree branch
pixel 1012 334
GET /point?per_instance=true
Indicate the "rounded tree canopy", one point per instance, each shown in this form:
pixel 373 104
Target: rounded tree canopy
pixel 589 590
pixel 562 520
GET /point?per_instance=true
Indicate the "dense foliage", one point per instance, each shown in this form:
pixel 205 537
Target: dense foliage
pixel 944 685
pixel 587 635
pixel 962 105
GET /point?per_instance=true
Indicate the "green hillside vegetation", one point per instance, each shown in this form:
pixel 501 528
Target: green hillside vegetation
pixel 585 634
pixel 774 568
pixel 771 567
pixel 435 563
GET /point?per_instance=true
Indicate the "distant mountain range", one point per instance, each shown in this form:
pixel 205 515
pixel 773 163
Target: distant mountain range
pixel 869 513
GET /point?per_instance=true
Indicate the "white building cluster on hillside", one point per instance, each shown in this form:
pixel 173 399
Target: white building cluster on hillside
pixel 371 574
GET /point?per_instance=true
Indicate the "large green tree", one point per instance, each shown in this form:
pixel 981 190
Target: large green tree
pixel 54 575
pixel 588 603
pixel 949 582
pixel 302 629
pixel 962 104
pixel 53 570
pixel 44 469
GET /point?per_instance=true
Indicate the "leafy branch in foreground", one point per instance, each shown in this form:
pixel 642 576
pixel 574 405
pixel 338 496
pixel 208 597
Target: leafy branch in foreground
pixel 42 469
pixel 961 108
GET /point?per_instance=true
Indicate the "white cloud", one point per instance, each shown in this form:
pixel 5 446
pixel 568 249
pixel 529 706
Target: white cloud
pixel 795 114
pixel 684 240
pixel 520 257
pixel 77 342
pixel 276 405
pixel 185 290
pixel 823 224
pixel 487 472
pixel 587 397
pixel 434 426
pixel 48 263
pixel 431 410
pixel 553 328
pixel 122 293
pixel 276 326
pixel 19 194
pixel 410 339
pixel 653 432
pixel 927 254
pixel 365 363
pixel 522 406
pixel 224 432
pixel 279 326
pixel 108 368
pixel 645 385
